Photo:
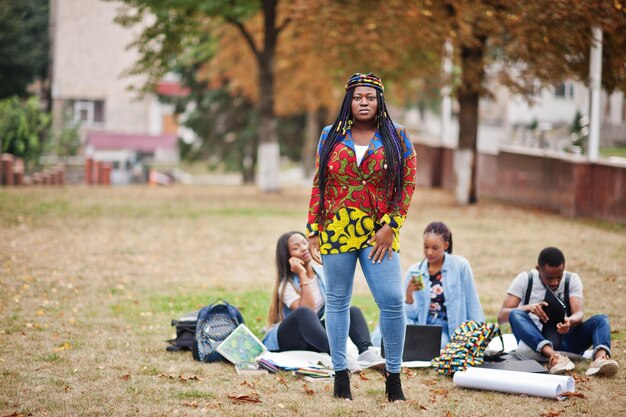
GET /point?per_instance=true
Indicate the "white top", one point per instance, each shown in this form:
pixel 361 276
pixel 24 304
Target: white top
pixel 290 294
pixel 360 152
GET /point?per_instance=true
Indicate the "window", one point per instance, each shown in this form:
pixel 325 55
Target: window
pixel 88 113
pixel 564 90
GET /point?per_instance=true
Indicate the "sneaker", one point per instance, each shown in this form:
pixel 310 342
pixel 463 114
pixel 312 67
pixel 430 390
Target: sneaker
pixel 604 366
pixel 559 364
pixel 370 358
pixel 353 365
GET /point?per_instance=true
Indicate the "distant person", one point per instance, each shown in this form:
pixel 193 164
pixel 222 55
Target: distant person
pixel 440 288
pixel 574 335
pixel 362 189
pixel 295 320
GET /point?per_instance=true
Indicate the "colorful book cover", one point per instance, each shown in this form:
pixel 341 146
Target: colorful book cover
pixel 241 346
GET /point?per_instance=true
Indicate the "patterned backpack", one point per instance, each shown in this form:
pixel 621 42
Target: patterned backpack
pixel 466 347
pixel 215 323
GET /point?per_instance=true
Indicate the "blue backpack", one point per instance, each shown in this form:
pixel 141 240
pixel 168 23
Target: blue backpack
pixel 215 323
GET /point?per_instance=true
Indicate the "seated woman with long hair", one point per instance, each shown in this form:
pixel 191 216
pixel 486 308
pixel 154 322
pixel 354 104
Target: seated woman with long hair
pixel 296 315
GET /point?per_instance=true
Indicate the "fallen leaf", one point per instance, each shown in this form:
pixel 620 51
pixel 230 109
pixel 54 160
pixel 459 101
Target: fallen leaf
pixel 448 414
pixel 308 390
pixel 409 372
pixel 580 378
pixel 189 378
pixel 550 414
pixel 162 375
pixel 363 376
pixel 192 404
pixel 64 346
pixel 281 380
pixel 440 391
pixel 252 398
pixel 249 384
pixel 16 414
pixel 430 382
pixel 574 394
pixel 125 377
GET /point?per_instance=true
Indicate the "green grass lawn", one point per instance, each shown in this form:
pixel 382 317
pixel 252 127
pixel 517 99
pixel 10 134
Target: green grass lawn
pixel 90 279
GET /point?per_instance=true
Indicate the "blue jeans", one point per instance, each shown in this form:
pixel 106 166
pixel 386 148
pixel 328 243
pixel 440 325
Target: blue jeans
pixel 594 332
pixel 385 282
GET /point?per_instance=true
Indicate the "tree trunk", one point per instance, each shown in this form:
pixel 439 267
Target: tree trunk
pixel 468 96
pixel 268 150
pixel 314 120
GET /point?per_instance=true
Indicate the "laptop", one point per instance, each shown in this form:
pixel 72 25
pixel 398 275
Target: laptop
pixel 422 342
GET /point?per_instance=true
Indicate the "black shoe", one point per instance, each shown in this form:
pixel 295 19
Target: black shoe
pixel 393 387
pixel 342 385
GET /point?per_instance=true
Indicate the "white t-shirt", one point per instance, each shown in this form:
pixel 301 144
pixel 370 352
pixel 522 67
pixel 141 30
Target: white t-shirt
pixel 289 294
pixel 360 152
pixel 538 292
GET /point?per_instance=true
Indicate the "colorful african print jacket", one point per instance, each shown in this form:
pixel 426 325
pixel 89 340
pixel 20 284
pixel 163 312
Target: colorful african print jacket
pixel 355 203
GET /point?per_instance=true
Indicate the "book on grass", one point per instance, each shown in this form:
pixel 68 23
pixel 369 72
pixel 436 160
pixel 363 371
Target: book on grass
pixel 315 374
pixel 241 346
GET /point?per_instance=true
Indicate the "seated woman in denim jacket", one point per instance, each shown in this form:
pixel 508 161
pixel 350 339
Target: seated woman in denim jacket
pixel 440 289
pixel 295 320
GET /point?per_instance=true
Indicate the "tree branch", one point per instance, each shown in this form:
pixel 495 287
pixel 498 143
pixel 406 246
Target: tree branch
pixel 245 34
pixel 284 25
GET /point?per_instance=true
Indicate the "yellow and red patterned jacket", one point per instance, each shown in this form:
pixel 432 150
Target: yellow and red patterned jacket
pixel 355 203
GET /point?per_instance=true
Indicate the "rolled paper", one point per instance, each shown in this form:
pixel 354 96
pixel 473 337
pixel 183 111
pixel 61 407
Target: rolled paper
pixel 568 382
pixel 540 385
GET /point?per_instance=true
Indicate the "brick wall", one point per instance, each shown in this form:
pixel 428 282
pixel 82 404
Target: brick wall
pixel 569 185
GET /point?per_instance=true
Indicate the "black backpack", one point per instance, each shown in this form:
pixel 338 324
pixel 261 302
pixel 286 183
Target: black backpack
pixel 215 323
pixel 185 332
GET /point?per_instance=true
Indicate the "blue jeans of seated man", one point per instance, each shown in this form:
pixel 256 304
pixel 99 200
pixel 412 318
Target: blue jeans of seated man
pixel 445 336
pixel 385 282
pixel 596 332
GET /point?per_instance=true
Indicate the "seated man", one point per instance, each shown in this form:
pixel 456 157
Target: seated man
pixel 524 305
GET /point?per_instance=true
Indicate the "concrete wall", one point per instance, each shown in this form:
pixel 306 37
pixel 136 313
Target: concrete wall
pixel 90 56
pixel 571 186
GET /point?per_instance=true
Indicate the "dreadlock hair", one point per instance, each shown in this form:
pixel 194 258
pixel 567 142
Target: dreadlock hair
pixel 551 256
pixel 394 176
pixel 283 278
pixel 440 229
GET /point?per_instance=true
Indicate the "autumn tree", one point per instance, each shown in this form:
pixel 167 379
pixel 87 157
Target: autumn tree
pixel 534 43
pixel 236 13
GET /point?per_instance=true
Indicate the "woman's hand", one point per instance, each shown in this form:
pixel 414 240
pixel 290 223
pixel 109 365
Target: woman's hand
pixel 416 283
pixel 383 241
pixel 314 248
pixel 297 266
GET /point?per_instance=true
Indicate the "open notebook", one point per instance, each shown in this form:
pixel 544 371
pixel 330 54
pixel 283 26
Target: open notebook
pixel 241 346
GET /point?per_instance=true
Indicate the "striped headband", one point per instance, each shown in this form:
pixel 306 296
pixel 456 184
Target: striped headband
pixel 366 80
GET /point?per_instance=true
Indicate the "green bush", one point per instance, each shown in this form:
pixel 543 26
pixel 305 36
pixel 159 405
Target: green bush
pixel 23 125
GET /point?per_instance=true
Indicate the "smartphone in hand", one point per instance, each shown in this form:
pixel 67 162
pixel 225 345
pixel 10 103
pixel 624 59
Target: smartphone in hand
pixel 417 279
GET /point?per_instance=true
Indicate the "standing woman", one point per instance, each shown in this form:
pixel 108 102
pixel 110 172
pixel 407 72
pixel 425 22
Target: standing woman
pixel 440 289
pixel 364 181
